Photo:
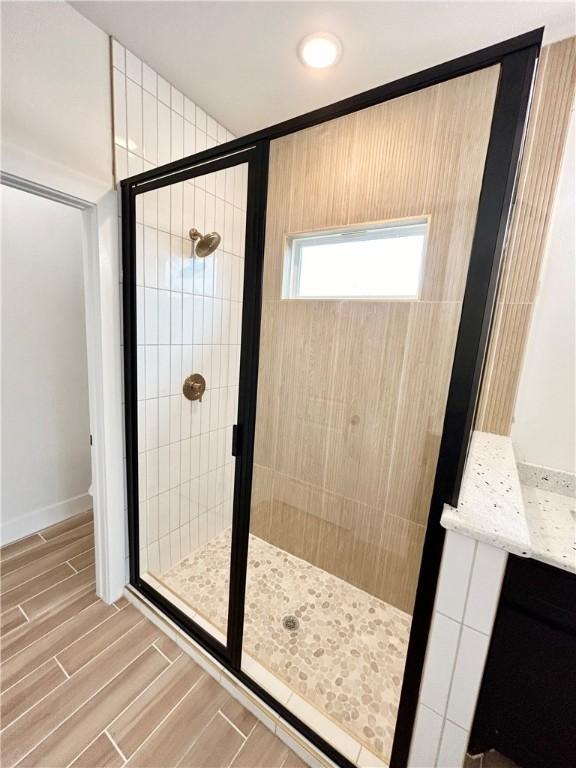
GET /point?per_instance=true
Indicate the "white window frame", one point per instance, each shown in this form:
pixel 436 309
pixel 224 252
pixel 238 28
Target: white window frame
pixel 357 233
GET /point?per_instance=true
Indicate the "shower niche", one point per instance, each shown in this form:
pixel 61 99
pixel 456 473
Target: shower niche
pixel 305 321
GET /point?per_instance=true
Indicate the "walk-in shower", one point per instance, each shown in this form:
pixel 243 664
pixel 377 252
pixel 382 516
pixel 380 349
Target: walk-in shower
pixel 293 429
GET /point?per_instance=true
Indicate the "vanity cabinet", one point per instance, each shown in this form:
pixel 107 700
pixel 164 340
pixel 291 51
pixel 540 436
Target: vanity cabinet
pixel 527 704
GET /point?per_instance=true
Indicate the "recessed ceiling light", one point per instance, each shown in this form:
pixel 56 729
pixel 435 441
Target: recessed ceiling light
pixel 320 50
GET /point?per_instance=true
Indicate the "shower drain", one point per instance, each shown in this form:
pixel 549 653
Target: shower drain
pixel 290 623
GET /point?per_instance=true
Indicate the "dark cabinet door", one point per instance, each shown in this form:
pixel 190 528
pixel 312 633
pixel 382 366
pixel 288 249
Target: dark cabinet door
pixel 527 705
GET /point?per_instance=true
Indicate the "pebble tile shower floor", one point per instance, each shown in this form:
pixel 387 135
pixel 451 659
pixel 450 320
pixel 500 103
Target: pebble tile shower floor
pixel 347 655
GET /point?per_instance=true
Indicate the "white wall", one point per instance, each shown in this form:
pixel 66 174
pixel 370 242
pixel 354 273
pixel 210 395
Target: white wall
pixel 57 131
pixel 56 100
pixel 545 416
pixel 45 416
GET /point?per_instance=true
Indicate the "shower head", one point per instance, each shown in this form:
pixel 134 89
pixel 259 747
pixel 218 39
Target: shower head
pixel 205 244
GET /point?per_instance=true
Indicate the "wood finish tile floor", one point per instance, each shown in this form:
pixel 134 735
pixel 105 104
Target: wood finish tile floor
pixel 91 685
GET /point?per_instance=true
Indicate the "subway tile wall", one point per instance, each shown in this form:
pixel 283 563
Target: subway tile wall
pixel 188 314
pixel 467 597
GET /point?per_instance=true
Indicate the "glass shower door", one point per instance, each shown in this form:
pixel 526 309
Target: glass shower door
pixel 189 274
pixel 370 224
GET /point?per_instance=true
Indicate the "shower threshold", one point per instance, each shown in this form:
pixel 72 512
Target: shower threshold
pixel 340 670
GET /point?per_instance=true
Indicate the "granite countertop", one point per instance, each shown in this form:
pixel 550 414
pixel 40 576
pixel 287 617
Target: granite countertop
pixel 491 506
pixel 524 519
pixel 552 524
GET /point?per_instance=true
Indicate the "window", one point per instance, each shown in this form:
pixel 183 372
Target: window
pixel 382 261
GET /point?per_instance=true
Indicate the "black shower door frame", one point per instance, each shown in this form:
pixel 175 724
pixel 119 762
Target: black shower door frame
pixel 255 155
pixel 518 59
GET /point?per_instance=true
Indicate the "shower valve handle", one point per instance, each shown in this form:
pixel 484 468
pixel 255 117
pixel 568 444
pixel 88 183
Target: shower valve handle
pixel 194 387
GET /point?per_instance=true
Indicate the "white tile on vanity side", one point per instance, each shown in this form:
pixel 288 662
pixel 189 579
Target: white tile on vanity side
pixel 488 523
pixel 425 738
pixel 468 672
pixel 454 579
pixel 485 586
pixel 439 663
pixel 453 746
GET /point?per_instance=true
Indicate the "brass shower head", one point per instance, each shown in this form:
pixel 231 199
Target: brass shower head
pixel 205 244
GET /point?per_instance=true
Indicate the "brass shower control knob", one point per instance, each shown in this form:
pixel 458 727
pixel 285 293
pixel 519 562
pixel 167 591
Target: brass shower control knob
pixel 194 387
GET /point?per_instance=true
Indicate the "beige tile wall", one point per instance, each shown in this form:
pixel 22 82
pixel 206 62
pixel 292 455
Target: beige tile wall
pixel 352 394
pixel 545 141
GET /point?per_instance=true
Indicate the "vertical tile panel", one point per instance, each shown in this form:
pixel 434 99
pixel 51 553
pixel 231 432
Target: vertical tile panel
pixel 120 163
pixel 150 257
pixel 119 85
pixel 149 80
pixel 177 136
pixel 164 134
pixel 453 744
pixel 134 117
pixel 164 94
pixel 485 585
pixel 425 739
pixel 468 671
pixel 118 56
pixel 455 571
pixel 439 664
pixel 189 138
pixel 133 67
pixel 150 128
pixel 163 317
pixel 189 110
pixel 177 101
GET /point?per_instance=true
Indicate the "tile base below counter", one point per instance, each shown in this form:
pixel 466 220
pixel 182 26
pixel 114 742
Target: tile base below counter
pixel 467 597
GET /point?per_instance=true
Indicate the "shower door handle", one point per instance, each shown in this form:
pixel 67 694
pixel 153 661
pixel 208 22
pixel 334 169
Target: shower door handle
pixel 236 439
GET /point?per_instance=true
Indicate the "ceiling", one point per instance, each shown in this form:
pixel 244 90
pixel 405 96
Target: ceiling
pixel 238 59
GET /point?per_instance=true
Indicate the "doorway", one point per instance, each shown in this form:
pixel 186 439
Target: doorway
pixel 96 292
pixel 47 473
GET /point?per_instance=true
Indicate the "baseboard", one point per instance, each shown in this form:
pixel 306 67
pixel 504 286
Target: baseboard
pixel 35 521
